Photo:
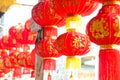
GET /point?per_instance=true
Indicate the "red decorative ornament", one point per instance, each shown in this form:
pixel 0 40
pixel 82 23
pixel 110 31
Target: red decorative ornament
pixel 10 42
pixel 21 59
pixel 46 49
pixel 109 64
pixel 104 30
pixel 11 60
pixel 27 25
pixel 30 59
pixel 26 37
pixel 44 15
pixel 74 7
pixel 72 44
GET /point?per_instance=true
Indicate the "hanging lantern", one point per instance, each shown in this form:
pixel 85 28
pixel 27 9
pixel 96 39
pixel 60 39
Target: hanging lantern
pixel 44 15
pixel 72 44
pixel 25 36
pixel 27 25
pixel 46 49
pixel 30 59
pixel 10 42
pixel 73 7
pixel 104 30
pixel 11 60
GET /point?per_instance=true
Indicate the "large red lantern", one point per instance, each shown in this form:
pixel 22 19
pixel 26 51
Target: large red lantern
pixel 72 44
pixel 44 15
pixel 74 7
pixel 104 30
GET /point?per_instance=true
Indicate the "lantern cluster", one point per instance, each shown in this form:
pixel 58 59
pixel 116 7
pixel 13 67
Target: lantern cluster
pixel 53 13
pixel 16 46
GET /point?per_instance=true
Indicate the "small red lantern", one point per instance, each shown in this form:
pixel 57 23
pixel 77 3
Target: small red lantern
pixel 44 15
pixel 10 42
pixel 30 59
pixel 11 60
pixel 27 25
pixel 73 7
pixel 47 50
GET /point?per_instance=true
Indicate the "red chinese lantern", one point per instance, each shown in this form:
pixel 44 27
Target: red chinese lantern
pixel 11 60
pixel 72 44
pixel 44 15
pixel 104 30
pixel 30 59
pixel 73 7
pixel 27 25
pixel 26 37
pixel 46 49
pixel 10 42
pixel 22 56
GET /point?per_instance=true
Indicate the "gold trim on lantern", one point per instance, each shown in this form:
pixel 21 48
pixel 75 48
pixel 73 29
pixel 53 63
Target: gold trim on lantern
pixel 109 46
pixel 50 37
pixel 50 58
pixel 111 2
pixel 53 26
pixel 73 22
pixel 71 30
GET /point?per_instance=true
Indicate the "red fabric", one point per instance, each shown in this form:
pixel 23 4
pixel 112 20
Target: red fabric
pixel 104 28
pixel 17 73
pixel 50 31
pixel 30 59
pixel 46 48
pixel 44 15
pixel 72 44
pixel 109 64
pixel 74 7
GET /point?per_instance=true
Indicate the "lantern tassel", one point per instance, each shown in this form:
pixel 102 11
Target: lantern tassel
pixel 71 76
pixel 73 63
pixel 49 76
pixel 109 65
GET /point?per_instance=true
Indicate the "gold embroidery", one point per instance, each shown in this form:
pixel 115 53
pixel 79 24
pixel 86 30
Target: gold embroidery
pixel 99 28
pixel 116 26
